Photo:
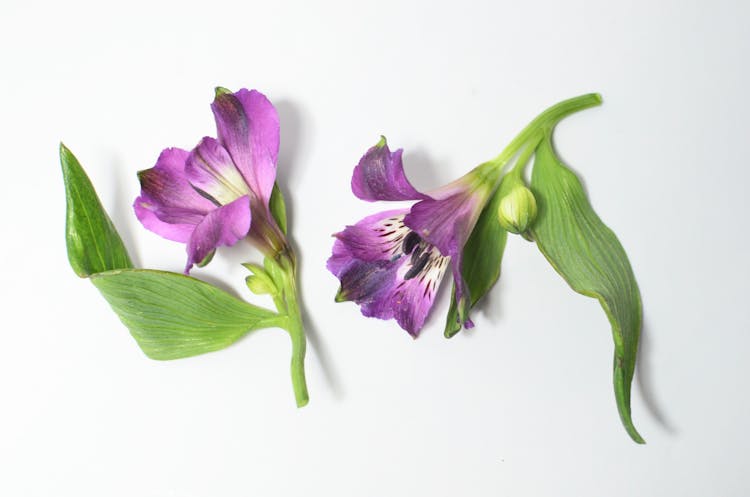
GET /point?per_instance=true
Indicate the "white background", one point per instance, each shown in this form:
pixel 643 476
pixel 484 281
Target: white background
pixel 522 405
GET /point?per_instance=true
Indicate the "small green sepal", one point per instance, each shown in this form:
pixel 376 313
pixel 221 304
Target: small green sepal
pixel 220 90
pixel 207 259
pixel 341 296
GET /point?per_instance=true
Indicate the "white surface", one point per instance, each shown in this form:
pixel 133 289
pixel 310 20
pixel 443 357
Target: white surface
pixel 522 406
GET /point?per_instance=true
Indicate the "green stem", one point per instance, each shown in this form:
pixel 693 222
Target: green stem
pixel 297 334
pixel 542 124
pixel 284 269
pixel 281 267
pixel 525 155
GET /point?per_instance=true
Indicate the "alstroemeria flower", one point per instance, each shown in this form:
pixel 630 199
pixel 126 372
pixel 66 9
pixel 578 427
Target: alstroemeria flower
pixel 391 263
pixel 219 192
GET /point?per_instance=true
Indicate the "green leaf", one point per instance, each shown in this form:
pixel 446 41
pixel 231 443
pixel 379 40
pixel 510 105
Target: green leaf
pixel 589 257
pixel 278 207
pixel 173 316
pixel 482 256
pixel 92 240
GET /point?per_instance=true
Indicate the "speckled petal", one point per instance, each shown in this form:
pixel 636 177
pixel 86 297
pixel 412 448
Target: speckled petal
pixel 447 224
pixel 387 271
pixel 376 237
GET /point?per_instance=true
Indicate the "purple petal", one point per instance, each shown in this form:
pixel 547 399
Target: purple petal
pixel 168 205
pixel 380 176
pixel 381 291
pixel 413 298
pixel 248 127
pixel 369 284
pixel 395 279
pixel 210 170
pixel 376 237
pixel 447 223
pixel 221 227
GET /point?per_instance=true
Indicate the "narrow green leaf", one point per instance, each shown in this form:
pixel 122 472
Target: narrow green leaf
pixel 172 316
pixel 483 254
pixel 589 257
pixel 278 207
pixel 92 240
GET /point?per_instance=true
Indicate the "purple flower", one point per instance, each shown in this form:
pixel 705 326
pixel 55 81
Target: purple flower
pixel 391 263
pixel 219 192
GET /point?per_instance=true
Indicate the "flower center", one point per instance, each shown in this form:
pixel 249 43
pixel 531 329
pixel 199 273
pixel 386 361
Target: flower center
pixel 425 261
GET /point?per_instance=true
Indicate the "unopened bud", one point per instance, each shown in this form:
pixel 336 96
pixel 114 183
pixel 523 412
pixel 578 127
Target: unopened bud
pixel 260 284
pixel 517 210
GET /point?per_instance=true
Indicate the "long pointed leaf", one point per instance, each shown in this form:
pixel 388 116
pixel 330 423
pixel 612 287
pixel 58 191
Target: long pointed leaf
pixel 589 256
pixel 92 240
pixel 173 316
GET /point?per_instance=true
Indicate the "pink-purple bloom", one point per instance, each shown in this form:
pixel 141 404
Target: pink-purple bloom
pixel 219 192
pixel 391 263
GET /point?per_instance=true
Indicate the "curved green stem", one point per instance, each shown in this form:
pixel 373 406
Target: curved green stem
pixel 525 155
pixel 542 124
pixel 297 334
pixel 281 268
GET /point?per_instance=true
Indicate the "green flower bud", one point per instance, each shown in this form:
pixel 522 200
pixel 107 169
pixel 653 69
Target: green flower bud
pixel 260 282
pixel 517 209
pixel 260 285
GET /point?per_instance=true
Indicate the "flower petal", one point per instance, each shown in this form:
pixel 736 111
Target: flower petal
pixel 248 127
pixel 447 224
pixel 168 205
pixel 413 298
pixel 221 227
pixel 388 270
pixel 210 170
pixel 376 237
pixel 380 176
pixel 381 291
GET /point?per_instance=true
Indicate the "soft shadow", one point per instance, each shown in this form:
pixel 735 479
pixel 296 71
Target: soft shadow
pixel 121 211
pixel 644 378
pixel 489 306
pixel 321 349
pixel 291 120
pixel 423 171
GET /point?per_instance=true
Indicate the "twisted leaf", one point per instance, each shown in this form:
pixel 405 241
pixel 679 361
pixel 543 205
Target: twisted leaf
pixel 589 257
